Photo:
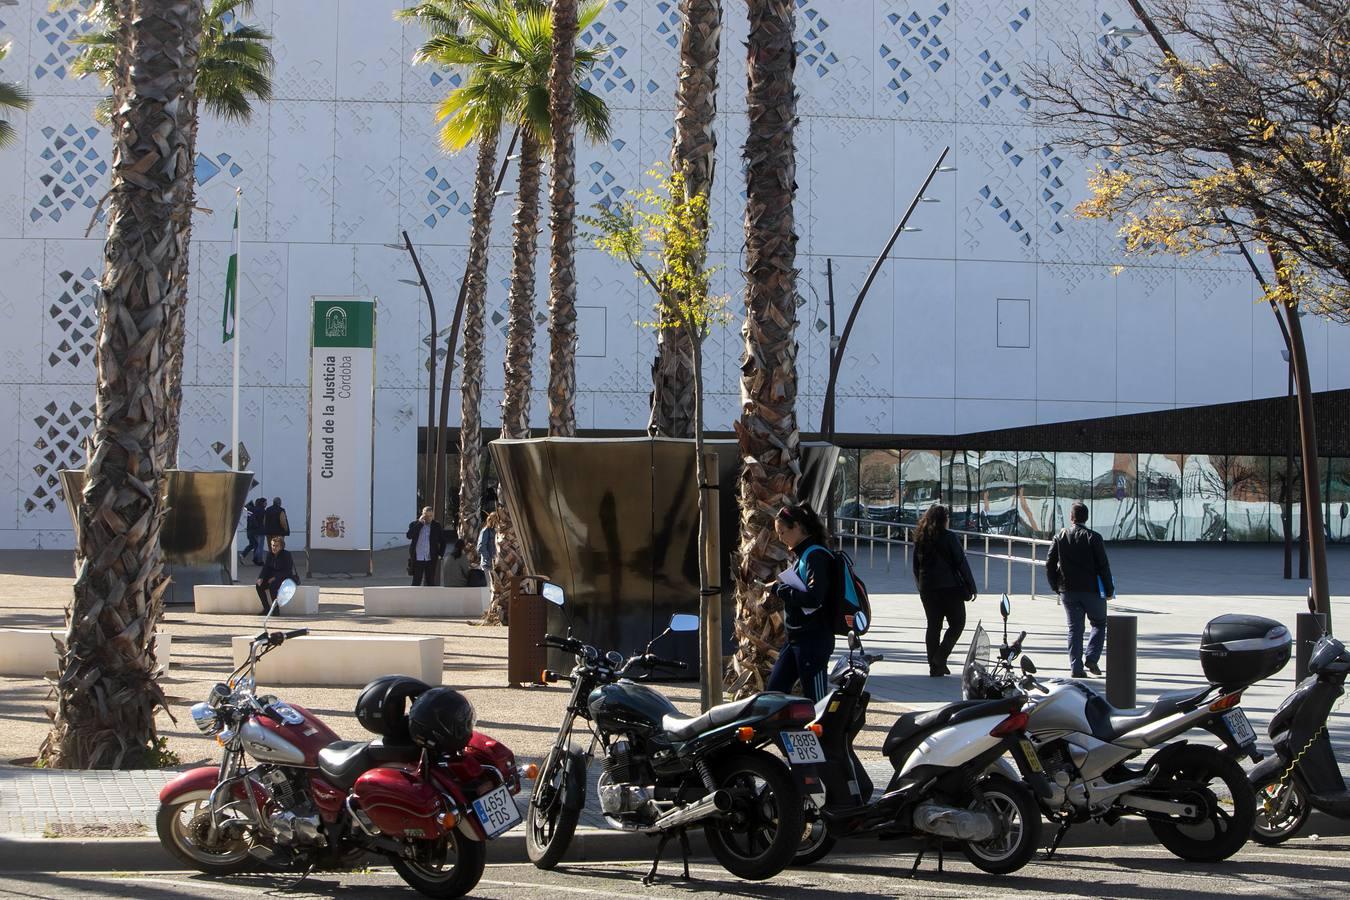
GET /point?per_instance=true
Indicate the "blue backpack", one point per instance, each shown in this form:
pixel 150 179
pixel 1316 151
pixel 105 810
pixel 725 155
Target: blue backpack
pixel 850 609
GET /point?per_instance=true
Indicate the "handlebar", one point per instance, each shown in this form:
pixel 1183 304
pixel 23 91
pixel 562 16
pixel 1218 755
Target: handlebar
pixel 651 659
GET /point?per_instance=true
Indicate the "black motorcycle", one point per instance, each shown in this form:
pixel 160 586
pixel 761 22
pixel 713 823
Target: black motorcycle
pixel 1302 774
pixel 665 772
pixel 941 789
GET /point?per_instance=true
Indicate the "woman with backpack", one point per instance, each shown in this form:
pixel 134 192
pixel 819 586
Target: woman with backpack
pixel 945 585
pixel 806 613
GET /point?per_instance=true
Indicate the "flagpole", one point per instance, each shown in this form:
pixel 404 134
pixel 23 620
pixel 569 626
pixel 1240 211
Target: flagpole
pixel 234 388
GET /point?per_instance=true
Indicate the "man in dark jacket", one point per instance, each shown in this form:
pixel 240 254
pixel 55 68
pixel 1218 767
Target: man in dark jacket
pixel 274 520
pixel 426 547
pixel 253 528
pixel 277 567
pixel 1079 573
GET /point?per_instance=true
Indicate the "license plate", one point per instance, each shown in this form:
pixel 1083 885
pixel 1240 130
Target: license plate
pixel 802 748
pixel 1239 727
pixel 497 811
pixel 1030 753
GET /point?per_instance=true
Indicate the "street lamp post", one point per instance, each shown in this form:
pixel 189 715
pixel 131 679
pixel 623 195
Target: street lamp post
pixel 429 473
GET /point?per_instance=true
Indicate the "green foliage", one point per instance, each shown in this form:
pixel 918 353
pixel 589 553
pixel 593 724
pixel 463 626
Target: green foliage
pixel 234 66
pixel 507 48
pixel 12 96
pixel 666 226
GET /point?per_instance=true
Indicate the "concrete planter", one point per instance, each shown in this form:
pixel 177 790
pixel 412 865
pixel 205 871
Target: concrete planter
pixel 614 521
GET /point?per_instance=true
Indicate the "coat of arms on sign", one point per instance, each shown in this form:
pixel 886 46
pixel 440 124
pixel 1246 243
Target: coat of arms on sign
pixel 335 322
pixel 334 527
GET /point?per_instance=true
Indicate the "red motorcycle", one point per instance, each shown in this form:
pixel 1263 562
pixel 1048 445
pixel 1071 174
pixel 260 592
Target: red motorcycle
pixel 428 794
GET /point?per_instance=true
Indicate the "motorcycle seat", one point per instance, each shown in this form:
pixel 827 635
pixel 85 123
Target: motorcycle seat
pixel 911 724
pixel 1113 723
pixel 342 762
pixel 682 728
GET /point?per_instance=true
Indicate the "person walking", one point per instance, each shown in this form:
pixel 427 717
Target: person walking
pixel 1079 572
pixel 807 598
pixel 253 529
pixel 425 548
pixel 945 584
pixel 455 569
pixel 277 567
pixel 275 522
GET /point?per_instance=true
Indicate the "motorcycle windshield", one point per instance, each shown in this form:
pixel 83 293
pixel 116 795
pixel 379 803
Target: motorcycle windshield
pixel 976 672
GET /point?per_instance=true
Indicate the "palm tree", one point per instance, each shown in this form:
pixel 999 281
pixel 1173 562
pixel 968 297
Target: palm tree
pixel 106 689
pixel 767 430
pixel 12 96
pixel 694 157
pixel 509 54
pixel 562 198
pixel 234 70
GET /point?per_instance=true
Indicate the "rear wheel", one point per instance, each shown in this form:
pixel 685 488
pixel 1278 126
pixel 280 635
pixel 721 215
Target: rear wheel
pixel 1019 821
pixel 816 841
pixel 763 831
pixel 1281 811
pixel 183 824
pixel 551 819
pixel 449 867
pixel 1204 776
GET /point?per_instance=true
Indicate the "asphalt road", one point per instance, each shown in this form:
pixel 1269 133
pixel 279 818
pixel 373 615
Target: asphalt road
pixel 1305 867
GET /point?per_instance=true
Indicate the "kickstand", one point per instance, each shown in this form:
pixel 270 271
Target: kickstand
pixel 913 870
pixel 684 849
pixel 918 859
pixel 308 870
pixel 1059 836
pixel 660 848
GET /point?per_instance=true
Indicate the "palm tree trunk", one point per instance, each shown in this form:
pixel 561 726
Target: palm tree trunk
pixel 471 379
pixel 562 298
pixel 767 430
pixel 520 329
pixel 694 154
pixel 106 688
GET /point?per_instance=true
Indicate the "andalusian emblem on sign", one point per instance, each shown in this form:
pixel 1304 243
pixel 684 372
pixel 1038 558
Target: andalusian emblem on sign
pixel 335 322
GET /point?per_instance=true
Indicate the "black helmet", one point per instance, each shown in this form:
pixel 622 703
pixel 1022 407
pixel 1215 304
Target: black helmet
pixel 382 705
pixel 442 720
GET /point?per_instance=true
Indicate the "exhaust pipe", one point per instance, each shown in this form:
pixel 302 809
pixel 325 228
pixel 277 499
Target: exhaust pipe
pixel 951 822
pixel 718 803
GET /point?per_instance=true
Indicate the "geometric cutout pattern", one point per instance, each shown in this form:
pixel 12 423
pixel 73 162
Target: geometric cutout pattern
pixel 58 28
pixel 669 27
pixel 1051 185
pixel 810 47
pixel 76 314
pixel 208 168
pixel 996 82
pixel 445 75
pixel 73 169
pixel 923 39
pixel 604 187
pixel 1006 212
pixel 607 74
pixel 443 198
pixel 60 443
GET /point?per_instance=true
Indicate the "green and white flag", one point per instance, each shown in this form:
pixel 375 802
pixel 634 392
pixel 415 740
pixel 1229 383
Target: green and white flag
pixel 229 317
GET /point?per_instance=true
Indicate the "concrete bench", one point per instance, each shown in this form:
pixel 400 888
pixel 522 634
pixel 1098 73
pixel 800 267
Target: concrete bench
pixel 32 651
pixel 350 660
pixel 242 599
pixel 429 602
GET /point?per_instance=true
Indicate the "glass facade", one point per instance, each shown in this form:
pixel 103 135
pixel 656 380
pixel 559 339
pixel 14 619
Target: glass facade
pixel 1130 496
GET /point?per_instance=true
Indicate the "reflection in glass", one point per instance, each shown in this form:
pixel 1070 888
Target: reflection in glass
pixel 998 491
pixel 846 485
pixel 1035 494
pixel 961 489
pixel 1202 498
pixel 1247 489
pixel 1160 496
pixel 920 471
pixel 1073 482
pixel 1115 501
pixel 879 484
pixel 1338 500
pixel 1286 482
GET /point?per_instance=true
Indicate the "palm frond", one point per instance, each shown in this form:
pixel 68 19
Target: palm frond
pixel 7 135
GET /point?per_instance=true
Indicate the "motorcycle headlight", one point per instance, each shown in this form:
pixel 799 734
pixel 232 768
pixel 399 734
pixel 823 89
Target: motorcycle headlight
pixel 206 718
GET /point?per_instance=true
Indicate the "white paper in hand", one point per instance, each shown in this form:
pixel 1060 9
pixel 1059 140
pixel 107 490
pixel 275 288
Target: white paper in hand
pixel 789 577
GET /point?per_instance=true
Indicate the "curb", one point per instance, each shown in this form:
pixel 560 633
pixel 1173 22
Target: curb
pixel 25 854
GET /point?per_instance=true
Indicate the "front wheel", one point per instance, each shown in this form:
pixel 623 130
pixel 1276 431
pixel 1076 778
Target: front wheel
pixel 555 808
pixel 1281 810
pixel 1204 776
pixel 449 867
pixel 183 824
pixel 763 831
pixel 1019 820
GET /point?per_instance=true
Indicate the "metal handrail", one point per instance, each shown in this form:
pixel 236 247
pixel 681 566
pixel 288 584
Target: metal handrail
pixel 906 540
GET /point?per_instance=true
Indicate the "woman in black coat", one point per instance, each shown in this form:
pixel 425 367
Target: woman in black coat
pixel 276 568
pixel 945 585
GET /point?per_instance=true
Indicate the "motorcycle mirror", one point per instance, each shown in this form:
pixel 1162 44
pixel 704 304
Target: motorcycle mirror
pixel 1312 602
pixel 553 594
pixel 1028 666
pixel 1005 607
pixel 285 593
pixel 684 622
pixel 853 642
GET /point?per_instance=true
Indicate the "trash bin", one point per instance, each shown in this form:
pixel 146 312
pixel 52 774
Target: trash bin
pixel 525 659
